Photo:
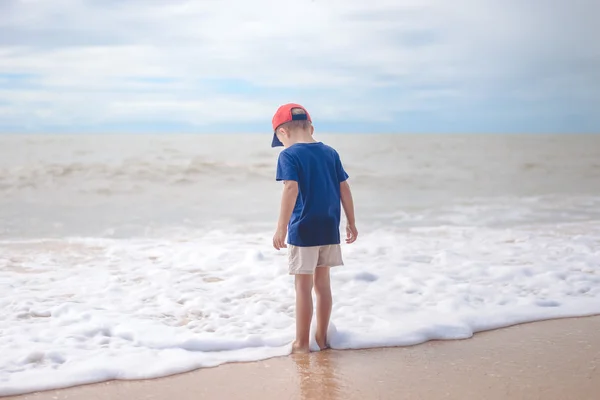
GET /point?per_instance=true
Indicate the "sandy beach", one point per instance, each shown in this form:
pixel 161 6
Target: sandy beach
pixel 557 359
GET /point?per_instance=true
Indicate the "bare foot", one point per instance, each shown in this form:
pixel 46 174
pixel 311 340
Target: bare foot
pixel 322 342
pixel 297 349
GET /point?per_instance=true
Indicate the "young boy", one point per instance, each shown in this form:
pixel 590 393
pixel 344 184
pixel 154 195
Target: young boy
pixel 315 184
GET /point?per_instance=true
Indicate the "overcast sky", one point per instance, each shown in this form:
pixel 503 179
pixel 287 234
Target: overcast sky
pixel 357 65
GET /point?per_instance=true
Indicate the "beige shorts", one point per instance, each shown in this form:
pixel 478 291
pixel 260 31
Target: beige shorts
pixel 304 260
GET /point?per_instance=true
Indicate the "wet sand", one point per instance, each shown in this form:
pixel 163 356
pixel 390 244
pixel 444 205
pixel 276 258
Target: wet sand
pixel 558 359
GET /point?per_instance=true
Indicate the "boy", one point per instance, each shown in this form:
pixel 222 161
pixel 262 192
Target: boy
pixel 315 184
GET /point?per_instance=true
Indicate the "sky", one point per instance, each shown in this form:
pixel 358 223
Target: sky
pixel 364 66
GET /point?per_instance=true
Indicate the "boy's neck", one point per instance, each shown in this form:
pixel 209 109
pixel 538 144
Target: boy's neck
pixel 304 137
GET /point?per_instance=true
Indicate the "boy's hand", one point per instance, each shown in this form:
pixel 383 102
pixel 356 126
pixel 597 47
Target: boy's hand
pixel 351 233
pixel 279 239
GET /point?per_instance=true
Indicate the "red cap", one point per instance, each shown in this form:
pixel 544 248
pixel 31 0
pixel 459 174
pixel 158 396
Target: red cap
pixel 283 115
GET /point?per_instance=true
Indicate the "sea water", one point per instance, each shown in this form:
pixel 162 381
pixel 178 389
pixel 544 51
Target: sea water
pixel 127 257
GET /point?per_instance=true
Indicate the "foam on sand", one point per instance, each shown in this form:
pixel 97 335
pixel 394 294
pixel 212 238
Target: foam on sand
pixel 87 310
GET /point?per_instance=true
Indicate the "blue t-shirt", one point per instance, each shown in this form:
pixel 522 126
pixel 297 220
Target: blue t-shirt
pixel 318 170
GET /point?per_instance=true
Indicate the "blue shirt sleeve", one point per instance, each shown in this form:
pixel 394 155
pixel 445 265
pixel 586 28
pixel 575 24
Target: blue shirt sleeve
pixel 287 170
pixel 341 173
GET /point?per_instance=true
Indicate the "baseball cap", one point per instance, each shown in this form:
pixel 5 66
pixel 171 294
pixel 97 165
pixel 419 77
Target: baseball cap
pixel 283 115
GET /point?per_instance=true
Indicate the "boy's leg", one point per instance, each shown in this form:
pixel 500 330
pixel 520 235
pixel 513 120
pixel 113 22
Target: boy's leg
pixel 324 302
pixel 304 311
pixel 329 256
pixel 302 263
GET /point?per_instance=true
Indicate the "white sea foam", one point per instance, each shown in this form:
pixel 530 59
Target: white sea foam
pixel 87 310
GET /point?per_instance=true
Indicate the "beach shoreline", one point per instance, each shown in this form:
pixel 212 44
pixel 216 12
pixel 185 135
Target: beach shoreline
pixel 552 359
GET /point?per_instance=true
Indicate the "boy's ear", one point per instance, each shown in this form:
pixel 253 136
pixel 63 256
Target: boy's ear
pixel 312 129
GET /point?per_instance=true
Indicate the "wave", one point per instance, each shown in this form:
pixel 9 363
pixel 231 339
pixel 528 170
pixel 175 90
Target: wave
pixel 37 174
pixel 144 308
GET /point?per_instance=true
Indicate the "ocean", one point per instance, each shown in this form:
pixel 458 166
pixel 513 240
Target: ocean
pixel 139 256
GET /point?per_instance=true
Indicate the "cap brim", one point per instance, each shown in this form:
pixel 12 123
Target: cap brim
pixel 276 142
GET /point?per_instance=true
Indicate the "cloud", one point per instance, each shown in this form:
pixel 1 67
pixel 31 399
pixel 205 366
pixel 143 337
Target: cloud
pixel 427 65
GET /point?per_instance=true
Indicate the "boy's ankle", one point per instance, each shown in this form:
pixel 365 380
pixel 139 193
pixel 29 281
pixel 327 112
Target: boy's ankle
pixel 302 342
pixel 298 347
pixel 321 341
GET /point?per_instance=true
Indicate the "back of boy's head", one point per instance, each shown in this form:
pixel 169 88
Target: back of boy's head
pixel 302 124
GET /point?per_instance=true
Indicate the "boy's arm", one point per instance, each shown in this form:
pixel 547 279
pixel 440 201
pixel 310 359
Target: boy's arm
pixel 288 201
pixel 348 204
